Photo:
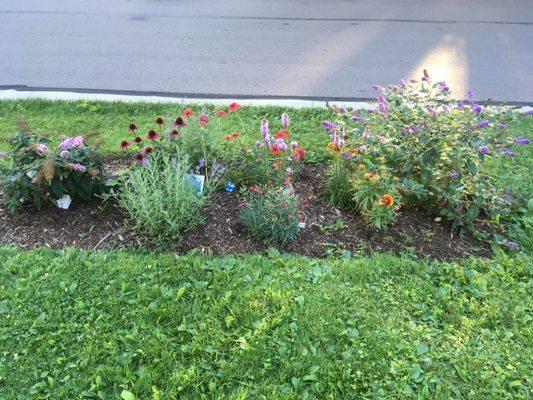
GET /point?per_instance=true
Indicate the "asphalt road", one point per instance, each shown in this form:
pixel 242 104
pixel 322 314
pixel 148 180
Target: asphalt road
pixel 308 48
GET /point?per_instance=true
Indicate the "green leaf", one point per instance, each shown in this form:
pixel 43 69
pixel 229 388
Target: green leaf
pixel 126 395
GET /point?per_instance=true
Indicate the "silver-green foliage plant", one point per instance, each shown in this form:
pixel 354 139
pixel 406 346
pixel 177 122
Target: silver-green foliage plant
pixel 160 198
pixel 271 215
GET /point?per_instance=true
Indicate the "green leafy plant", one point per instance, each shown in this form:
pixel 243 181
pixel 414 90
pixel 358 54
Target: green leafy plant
pixel 38 174
pixel 271 215
pixel 160 199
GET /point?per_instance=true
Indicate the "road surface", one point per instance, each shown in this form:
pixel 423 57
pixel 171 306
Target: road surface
pixel 296 48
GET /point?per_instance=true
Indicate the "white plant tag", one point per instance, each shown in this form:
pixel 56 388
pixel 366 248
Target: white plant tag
pixel 64 202
pixel 198 183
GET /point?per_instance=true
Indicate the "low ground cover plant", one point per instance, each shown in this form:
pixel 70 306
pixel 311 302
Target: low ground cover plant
pixel 38 173
pixel 160 197
pixel 419 147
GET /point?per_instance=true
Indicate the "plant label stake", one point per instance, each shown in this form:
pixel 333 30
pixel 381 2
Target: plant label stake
pixel 301 223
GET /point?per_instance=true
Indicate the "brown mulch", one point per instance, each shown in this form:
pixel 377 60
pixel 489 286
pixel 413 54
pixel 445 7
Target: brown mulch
pixel 102 226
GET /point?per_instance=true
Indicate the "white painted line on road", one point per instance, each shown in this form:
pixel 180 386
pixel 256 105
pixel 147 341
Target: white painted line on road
pixel 12 94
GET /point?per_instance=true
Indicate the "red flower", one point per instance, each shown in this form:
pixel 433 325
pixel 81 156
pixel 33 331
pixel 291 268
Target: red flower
pixel 132 127
pixel 203 120
pixel 159 121
pixel 274 150
pixel 187 113
pixel 148 150
pixel 137 139
pixel 233 107
pixel 125 144
pixel 152 135
pixel 282 134
pixel 299 154
pixel 231 137
pixel 175 132
pixel 179 122
pixel 288 181
pixel 221 113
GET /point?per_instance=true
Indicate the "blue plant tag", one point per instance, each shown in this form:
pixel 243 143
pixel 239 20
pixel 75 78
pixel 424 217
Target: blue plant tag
pixel 230 187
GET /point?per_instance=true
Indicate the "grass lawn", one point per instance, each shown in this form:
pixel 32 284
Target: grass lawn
pixel 106 325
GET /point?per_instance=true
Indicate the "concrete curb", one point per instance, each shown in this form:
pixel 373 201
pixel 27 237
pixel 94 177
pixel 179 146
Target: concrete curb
pixel 13 94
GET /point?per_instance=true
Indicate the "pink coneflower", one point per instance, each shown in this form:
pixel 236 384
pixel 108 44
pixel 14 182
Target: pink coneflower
pixel 221 113
pixel 141 159
pixel 124 144
pixel 233 107
pixel 203 120
pixel 159 121
pixel 148 150
pixel 152 135
pixel 174 132
pixel 187 113
pixel 137 139
pixel 288 181
pixel 179 122
pixel 132 127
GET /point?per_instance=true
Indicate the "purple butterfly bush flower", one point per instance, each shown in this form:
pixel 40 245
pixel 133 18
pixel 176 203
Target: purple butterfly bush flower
pixel 42 148
pixel 413 81
pixel 476 109
pixel 470 96
pixel 346 156
pixel 393 87
pixel 329 126
pixel 502 127
pixel 402 84
pixel 380 138
pixel 64 154
pixel 201 162
pixel 342 110
pixel 284 120
pixel 446 109
pixel 483 124
pixel 454 175
pixel 78 167
pixel 365 134
pixel 411 129
pixel 69 143
pixel 432 111
pixel 258 143
pixel 460 105
pixel 363 148
pixel 358 118
pixel 378 88
pixel 529 112
pixel 508 153
pixel 483 150
pixel 443 87
pixel 281 144
pixel 521 140
pixel 294 145
pixel 511 245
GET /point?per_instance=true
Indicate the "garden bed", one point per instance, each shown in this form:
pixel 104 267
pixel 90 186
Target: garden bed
pixel 328 230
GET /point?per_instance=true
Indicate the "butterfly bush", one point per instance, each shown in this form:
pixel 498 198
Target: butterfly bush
pixel 424 149
pixel 39 173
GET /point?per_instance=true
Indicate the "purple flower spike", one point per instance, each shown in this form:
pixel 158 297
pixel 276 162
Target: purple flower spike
pixel 502 127
pixel 460 105
pixel 42 148
pixel 483 150
pixel 470 96
pixel 454 175
pixel 329 126
pixel 342 110
pixel 358 118
pixel 483 124
pixel 378 88
pixel 443 87
pixel 64 154
pixel 294 145
pixel 529 112
pixel 264 129
pixel 402 84
pixel 521 140
pixel 476 109
pixel 508 153
pixel 284 120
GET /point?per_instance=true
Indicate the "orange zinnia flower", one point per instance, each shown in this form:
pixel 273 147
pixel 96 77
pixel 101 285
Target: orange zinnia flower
pixel 187 113
pixel 282 134
pixel 386 200
pixel 233 107
pixel 370 175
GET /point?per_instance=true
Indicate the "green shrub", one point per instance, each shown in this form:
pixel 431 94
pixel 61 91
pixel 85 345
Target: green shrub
pixel 271 215
pixel 160 199
pixel 40 174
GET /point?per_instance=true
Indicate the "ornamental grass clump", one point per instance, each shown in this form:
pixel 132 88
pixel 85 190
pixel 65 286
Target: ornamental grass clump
pixel 433 149
pixel 271 215
pixel 40 173
pixel 160 198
